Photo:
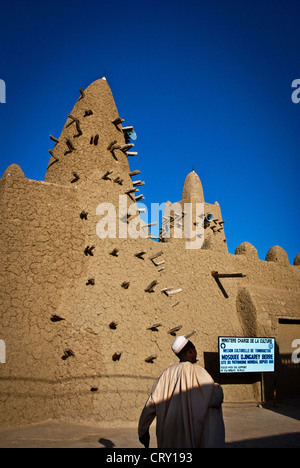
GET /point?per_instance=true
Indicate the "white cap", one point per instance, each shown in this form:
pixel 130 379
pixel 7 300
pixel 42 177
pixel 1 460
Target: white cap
pixel 179 344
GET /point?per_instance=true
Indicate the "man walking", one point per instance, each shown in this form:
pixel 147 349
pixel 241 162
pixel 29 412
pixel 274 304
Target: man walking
pixel 187 404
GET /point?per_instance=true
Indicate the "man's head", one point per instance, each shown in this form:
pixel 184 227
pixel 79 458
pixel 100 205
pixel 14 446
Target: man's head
pixel 184 350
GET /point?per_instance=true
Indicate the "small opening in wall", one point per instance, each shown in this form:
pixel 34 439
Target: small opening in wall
pixel 288 321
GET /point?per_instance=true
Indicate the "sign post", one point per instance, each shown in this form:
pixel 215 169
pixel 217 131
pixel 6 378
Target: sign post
pixel 242 355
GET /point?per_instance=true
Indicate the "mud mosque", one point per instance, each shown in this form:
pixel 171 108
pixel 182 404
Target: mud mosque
pixel 86 323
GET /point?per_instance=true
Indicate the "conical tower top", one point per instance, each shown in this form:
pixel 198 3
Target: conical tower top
pixel 92 130
pixel 192 190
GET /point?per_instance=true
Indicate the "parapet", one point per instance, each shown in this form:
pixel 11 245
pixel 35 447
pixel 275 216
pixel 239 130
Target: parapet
pixel 13 171
pixel 247 249
pixel 297 259
pixel 277 254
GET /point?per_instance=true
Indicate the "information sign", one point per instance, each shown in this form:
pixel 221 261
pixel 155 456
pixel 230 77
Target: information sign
pixel 246 354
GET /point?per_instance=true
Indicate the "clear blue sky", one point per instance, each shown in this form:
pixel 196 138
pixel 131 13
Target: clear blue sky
pixel 205 83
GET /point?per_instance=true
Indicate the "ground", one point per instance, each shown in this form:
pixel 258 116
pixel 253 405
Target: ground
pixel 246 427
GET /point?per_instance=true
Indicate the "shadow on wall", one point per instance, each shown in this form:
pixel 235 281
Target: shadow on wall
pixel 285 381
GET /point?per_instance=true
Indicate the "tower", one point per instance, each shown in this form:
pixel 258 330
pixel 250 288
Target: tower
pixel 195 219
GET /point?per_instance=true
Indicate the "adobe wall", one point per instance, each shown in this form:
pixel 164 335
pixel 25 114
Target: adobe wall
pixel 79 324
pixel 39 260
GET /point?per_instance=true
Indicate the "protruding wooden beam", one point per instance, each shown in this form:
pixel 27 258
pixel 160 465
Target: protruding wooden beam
pixel 138 183
pixel 154 326
pixel 216 274
pixel 133 173
pixel 133 190
pixel 127 129
pixel 117 356
pixel 151 286
pixel 175 291
pixel 91 282
pixel 151 358
pixel 72 117
pixel 140 254
pixel 118 121
pixel 189 335
pixel 84 215
pixel 105 176
pixel 70 145
pixel 78 128
pixel 168 288
pixel 174 330
pixel 111 144
pixel 56 318
pixel 76 178
pixel 53 139
pixel 52 154
pixel 82 94
pixel 157 254
pixel 68 353
pixel 118 180
pixel 127 147
pixel 89 251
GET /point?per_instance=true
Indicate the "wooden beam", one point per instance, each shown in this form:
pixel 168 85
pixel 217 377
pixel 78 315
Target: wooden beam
pixel 174 330
pixel 157 254
pixel 151 286
pixel 54 139
pixel 151 358
pixel 118 120
pixel 216 274
pixel 133 173
pixel 175 291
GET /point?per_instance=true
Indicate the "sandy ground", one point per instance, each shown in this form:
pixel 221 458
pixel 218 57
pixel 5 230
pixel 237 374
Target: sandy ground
pixel 246 426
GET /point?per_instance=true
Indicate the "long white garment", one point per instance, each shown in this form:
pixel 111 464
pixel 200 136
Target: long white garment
pixel 180 400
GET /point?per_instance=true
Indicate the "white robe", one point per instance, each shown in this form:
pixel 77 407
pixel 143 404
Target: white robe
pixel 187 405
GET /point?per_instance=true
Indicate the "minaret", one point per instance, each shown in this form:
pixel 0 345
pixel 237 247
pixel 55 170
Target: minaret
pixel 92 143
pixel 92 154
pixel 206 219
pixel 192 189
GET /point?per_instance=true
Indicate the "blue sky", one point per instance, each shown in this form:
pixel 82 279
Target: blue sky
pixel 205 83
